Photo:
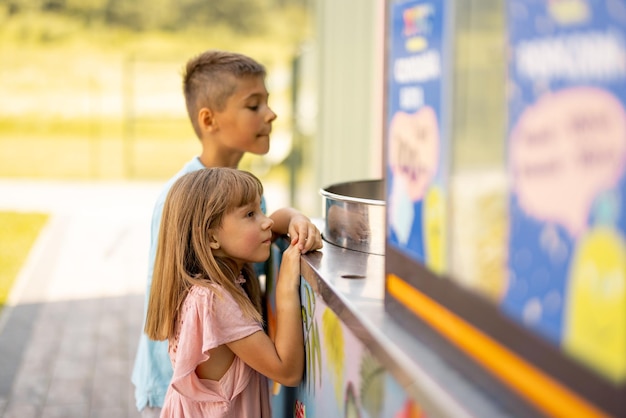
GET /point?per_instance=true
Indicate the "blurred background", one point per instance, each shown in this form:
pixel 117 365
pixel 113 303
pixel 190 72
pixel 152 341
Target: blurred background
pixel 91 91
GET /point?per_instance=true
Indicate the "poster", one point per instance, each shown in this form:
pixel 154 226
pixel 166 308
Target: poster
pixel 416 131
pixel 566 151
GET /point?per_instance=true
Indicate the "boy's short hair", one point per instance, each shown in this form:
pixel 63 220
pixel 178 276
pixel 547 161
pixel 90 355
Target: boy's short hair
pixel 210 79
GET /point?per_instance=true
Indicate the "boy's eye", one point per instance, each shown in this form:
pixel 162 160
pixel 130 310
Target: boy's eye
pixel 254 108
pixel 250 214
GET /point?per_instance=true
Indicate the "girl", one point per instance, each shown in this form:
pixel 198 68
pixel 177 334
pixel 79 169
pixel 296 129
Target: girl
pixel 205 299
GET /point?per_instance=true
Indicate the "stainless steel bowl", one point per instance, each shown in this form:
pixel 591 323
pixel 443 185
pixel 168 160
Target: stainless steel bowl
pixel 355 215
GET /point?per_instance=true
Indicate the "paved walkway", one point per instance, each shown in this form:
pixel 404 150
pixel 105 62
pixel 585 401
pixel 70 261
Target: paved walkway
pixel 69 333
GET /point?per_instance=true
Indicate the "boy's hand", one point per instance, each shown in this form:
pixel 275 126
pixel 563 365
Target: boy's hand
pixel 304 234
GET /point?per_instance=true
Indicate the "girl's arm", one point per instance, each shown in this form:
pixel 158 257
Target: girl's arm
pixel 299 227
pixel 283 359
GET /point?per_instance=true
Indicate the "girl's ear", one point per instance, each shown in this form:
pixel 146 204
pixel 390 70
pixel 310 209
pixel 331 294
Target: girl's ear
pixel 214 244
pixel 206 119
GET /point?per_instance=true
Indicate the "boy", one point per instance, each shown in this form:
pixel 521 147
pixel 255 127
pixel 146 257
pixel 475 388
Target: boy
pixel 227 103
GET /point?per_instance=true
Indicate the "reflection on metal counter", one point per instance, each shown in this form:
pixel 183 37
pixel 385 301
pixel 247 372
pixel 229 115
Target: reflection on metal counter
pixel 355 215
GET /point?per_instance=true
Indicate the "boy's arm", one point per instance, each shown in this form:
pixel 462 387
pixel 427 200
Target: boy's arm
pixel 297 226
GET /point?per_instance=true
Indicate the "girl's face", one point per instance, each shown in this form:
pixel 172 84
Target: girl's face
pixel 245 234
pixel 245 123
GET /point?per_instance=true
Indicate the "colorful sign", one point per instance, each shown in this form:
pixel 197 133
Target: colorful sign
pixel 343 378
pixel 416 131
pixel 567 172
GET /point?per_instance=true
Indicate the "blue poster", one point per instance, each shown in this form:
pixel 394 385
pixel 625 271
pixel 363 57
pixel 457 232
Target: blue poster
pixel 416 130
pixel 566 151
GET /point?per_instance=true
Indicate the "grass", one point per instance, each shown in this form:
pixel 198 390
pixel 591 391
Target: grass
pixel 115 122
pixel 114 109
pixel 18 232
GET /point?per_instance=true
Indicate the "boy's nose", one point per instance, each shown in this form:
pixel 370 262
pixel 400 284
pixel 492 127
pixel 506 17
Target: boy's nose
pixel 271 116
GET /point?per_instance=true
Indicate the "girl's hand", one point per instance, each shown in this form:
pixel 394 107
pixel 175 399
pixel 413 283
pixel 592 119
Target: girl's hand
pixel 304 234
pixel 281 357
pixel 289 272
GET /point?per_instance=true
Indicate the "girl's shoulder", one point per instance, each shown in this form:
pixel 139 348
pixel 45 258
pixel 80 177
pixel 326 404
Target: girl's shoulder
pixel 203 292
pixel 207 295
pixel 200 299
pixel 218 304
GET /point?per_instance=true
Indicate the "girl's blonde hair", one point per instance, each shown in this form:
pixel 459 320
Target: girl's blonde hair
pixel 193 210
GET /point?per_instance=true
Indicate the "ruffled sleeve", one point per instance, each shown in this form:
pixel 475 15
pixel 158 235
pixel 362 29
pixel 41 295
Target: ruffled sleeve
pixel 207 320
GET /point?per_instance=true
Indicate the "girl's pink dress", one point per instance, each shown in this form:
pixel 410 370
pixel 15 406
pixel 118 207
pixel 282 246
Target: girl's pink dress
pixel 207 320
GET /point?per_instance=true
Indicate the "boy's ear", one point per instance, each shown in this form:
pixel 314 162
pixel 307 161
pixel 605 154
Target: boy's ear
pixel 206 119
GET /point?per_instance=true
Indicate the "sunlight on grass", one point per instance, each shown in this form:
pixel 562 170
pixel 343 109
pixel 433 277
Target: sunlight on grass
pixel 18 232
pixel 107 115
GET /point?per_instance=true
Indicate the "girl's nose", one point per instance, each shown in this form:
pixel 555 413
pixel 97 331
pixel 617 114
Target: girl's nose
pixel 268 223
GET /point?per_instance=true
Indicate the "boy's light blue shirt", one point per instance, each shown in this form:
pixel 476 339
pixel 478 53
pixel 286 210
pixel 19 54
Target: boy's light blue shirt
pixel 152 371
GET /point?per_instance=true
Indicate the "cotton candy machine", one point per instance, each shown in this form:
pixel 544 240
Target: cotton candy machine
pixel 355 215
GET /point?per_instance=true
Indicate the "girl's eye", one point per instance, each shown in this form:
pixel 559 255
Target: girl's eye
pixel 250 214
pixel 253 108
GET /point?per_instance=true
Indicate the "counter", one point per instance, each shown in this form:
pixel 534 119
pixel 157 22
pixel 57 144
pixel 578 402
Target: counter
pixel 360 362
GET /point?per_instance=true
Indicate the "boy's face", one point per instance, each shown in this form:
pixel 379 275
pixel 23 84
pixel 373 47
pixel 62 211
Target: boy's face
pixel 244 125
